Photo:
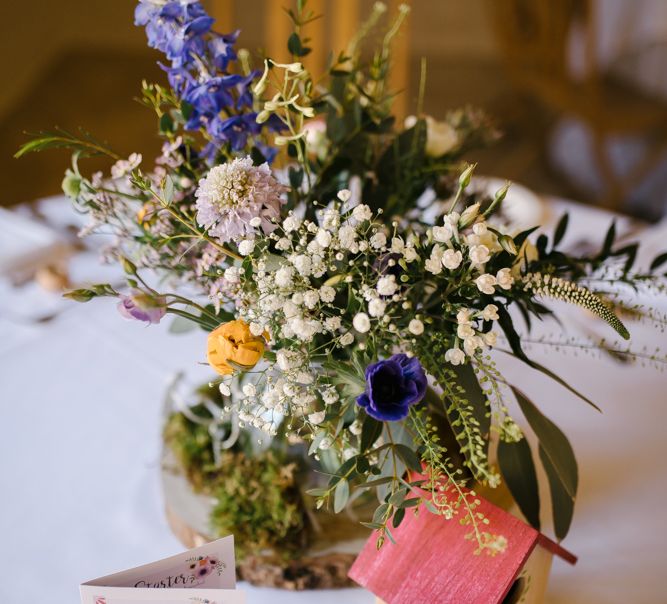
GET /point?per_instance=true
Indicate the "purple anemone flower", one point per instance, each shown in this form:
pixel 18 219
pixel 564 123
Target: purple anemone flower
pixel 392 387
pixel 143 307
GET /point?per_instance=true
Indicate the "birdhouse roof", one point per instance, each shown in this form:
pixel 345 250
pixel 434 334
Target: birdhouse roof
pixel 434 560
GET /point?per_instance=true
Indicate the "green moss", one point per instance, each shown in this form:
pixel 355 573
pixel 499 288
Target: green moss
pixel 257 497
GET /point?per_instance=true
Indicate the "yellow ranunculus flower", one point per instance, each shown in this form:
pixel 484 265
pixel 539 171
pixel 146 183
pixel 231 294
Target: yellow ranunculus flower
pixel 234 343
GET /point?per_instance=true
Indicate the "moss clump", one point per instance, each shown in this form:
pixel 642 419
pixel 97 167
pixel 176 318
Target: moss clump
pixel 258 500
pixel 257 497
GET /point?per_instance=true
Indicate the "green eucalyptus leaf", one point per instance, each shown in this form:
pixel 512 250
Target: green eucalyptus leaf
pixel 518 470
pixel 370 432
pixel 658 261
pixel 341 495
pixel 410 458
pixel 561 229
pixel 181 325
pixel 562 504
pixel 558 460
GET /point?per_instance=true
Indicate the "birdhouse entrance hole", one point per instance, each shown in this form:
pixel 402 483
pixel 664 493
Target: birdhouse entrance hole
pixel 516 591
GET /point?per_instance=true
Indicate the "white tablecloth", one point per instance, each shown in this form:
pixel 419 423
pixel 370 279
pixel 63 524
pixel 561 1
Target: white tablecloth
pixel 81 399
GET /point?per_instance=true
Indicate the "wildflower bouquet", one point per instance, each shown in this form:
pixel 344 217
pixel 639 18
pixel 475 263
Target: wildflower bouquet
pixel 353 287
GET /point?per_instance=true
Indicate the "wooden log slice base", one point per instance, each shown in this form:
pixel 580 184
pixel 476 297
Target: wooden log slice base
pixel 324 565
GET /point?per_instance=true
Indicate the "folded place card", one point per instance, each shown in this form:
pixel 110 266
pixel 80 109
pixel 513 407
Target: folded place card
pixel 204 575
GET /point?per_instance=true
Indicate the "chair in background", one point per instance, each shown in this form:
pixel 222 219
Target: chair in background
pixel 535 39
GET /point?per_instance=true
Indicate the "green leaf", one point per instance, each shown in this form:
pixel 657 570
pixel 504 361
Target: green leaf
pixel 376 483
pixel 398 518
pixel 658 261
pixel 409 457
pixel 317 492
pixel 341 495
pixel 558 460
pixel 295 46
pixel 168 190
pixel 166 124
pixel 370 432
pixel 560 229
pixel 181 325
pixel 518 470
pixel 562 505
pixel 608 242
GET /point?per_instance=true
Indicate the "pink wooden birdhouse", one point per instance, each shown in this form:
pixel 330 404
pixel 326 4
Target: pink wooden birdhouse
pixel 433 563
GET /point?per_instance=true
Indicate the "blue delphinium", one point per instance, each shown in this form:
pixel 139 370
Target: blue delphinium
pixel 392 387
pixel 216 101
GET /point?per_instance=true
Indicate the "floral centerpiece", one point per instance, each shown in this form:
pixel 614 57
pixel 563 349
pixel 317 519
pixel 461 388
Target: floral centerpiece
pixel 348 277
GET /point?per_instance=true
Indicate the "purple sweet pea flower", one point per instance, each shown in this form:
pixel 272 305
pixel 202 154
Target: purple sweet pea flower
pixel 142 307
pixel 392 387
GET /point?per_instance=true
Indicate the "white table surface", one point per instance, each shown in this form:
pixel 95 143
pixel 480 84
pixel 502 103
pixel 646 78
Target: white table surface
pixel 81 397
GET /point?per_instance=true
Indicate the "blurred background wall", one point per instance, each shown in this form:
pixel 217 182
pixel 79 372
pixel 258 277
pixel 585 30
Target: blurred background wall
pixel 577 86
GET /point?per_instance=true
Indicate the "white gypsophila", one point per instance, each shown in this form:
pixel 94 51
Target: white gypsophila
pixel 291 223
pixel 333 323
pixel 463 316
pixel 504 278
pixel 362 213
pixel 485 283
pixel 490 312
pixel 250 390
pixel 361 322
pixel 256 329
pixel 256 221
pixel 327 294
pixel 465 331
pixel 479 254
pixel 378 240
pixel 305 329
pixel 355 427
pixel 416 327
pixel 283 277
pixel 330 219
pixel 346 339
pixel 386 286
pixel 346 237
pixel 455 356
pixel 329 395
pixel 297 298
pixel 317 417
pixel 326 443
pixel 303 264
pixel 283 244
pixel 288 359
pixel 305 378
pixel 344 195
pixel 376 307
pixel 323 239
pixel 246 247
pixel 310 299
pixel 232 274
pixel 225 390
pixel 451 259
pixel 479 228
pixel 123 167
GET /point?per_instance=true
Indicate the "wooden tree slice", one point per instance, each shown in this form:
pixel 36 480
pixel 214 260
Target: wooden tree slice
pixel 323 566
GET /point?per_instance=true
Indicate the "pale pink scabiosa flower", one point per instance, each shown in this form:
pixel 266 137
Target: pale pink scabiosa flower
pixel 236 198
